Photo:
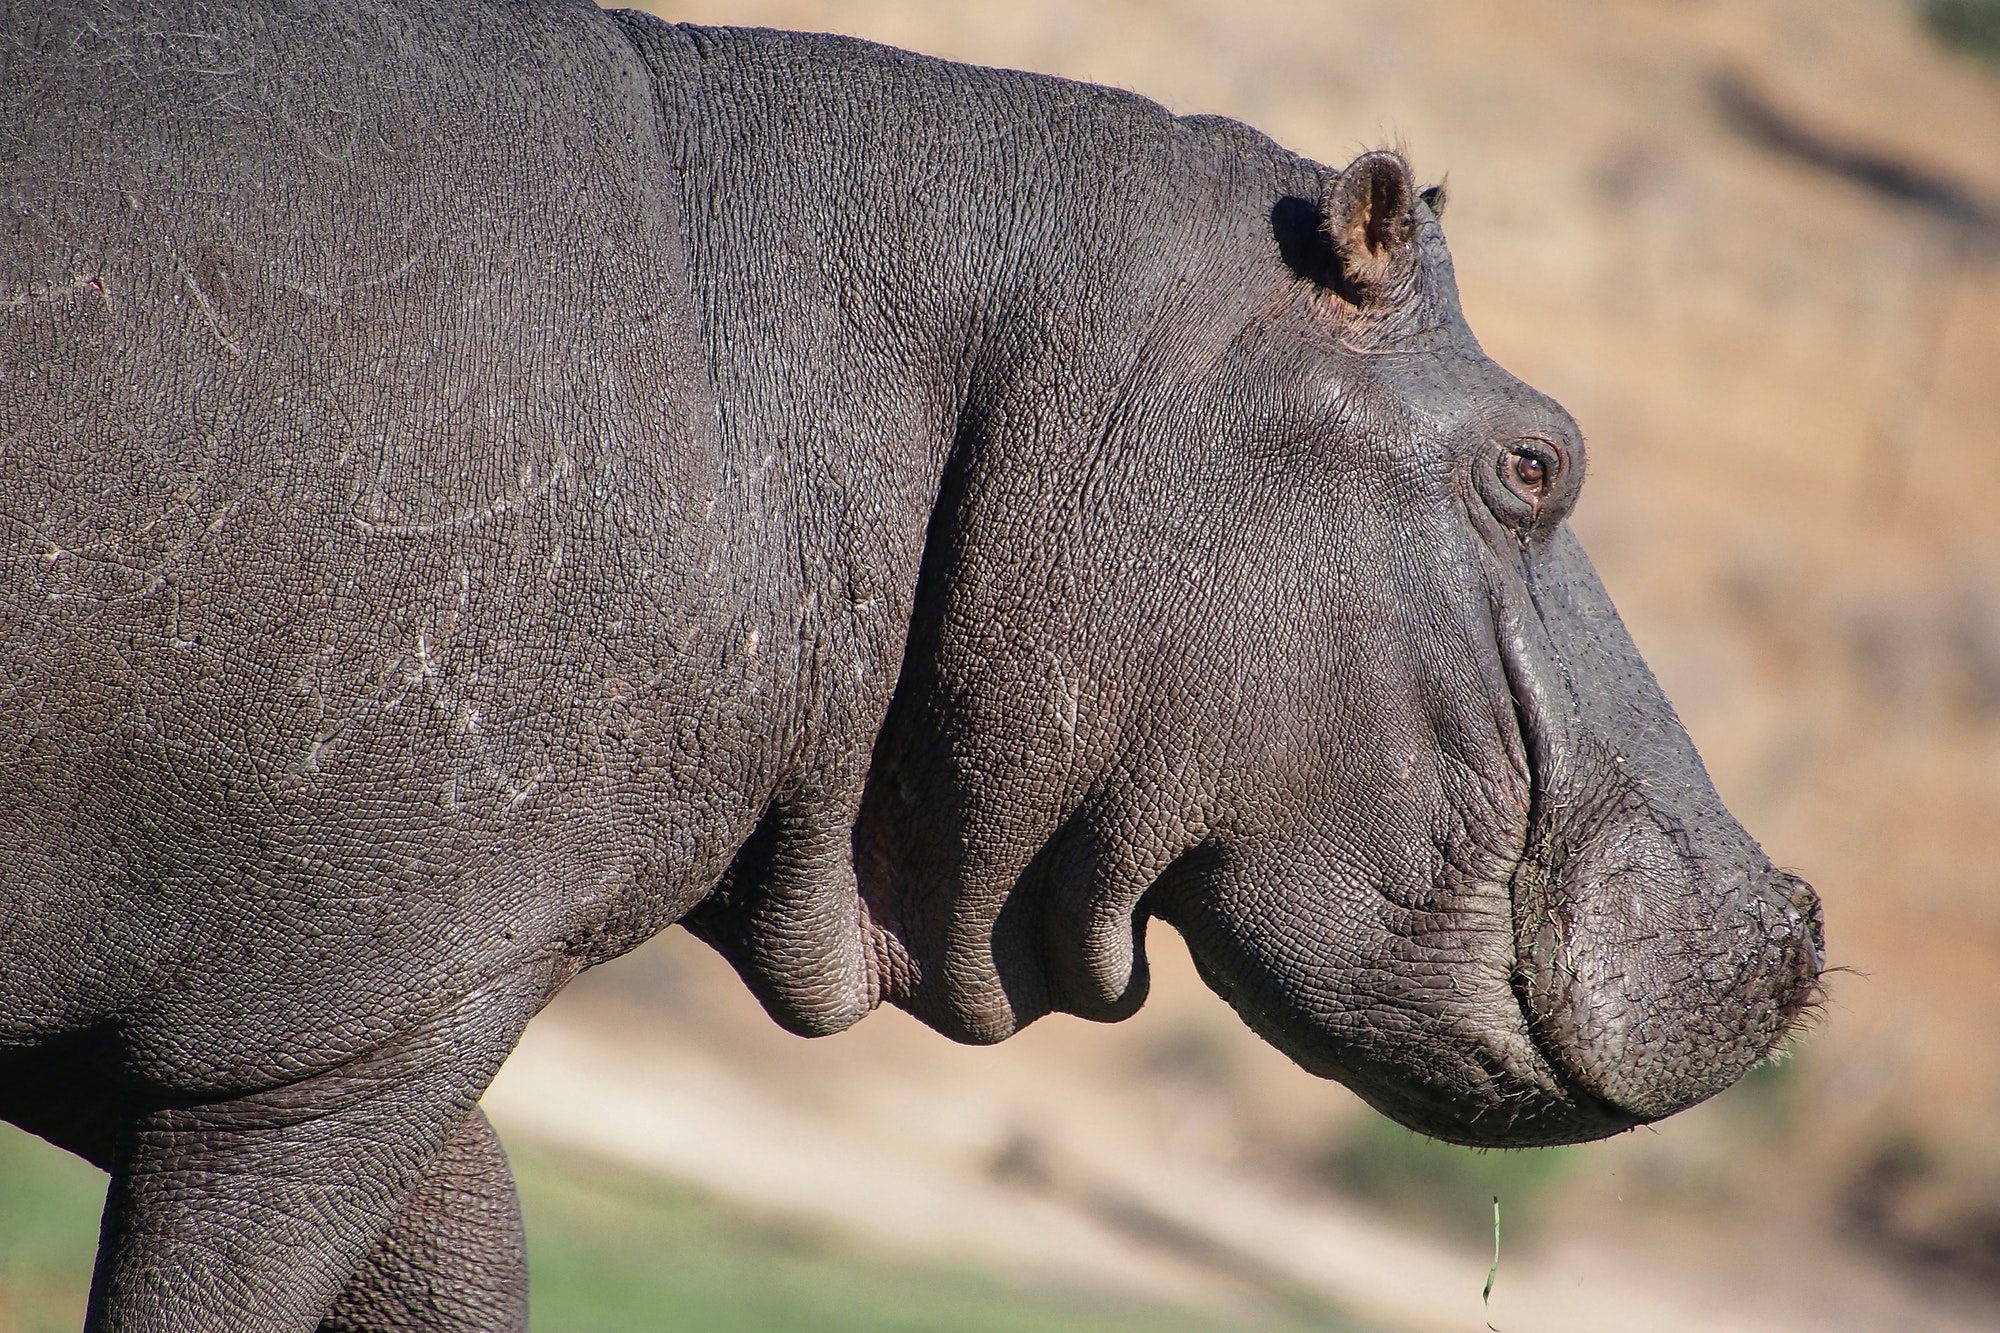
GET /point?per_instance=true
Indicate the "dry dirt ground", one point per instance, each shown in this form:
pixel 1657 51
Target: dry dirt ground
pixel 1755 248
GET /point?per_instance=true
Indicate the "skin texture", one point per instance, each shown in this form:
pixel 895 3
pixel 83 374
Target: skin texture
pixel 481 484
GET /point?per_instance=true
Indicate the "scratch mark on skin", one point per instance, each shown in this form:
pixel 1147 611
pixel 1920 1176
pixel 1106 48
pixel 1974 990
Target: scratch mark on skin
pixel 322 744
pixel 51 551
pixel 504 505
pixel 426 668
pixel 333 295
pixel 466 721
pixel 1066 700
pixel 148 577
pixel 517 795
pixel 207 310
pixel 224 514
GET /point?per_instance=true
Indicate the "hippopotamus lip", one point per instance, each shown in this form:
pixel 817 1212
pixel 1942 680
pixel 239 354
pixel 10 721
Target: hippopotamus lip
pixel 1579 1116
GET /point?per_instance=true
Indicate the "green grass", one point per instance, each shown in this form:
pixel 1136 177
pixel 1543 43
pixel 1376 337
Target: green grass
pixel 49 1204
pixel 1969 25
pixel 613 1251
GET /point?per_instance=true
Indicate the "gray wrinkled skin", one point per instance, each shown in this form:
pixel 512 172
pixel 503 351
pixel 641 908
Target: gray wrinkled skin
pixel 481 483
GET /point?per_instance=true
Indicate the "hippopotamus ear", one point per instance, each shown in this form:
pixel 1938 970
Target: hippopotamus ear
pixel 1368 212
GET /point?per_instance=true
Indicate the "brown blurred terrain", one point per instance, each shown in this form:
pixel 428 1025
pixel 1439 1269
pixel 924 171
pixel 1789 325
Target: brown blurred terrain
pixel 1755 248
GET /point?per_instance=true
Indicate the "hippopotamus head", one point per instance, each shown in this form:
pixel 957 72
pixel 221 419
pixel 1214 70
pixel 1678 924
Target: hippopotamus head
pixel 1300 655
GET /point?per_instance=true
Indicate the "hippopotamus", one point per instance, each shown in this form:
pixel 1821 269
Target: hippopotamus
pixel 485 483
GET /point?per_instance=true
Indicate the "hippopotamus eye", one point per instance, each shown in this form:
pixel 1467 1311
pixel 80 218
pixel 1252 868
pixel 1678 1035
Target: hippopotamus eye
pixel 1528 482
pixel 1529 474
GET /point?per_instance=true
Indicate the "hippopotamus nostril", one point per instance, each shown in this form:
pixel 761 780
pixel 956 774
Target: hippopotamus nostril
pixel 1795 936
pixel 1799 929
pixel 1802 914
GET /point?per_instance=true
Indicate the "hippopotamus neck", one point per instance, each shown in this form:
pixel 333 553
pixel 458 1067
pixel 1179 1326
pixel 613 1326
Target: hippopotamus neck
pixel 903 268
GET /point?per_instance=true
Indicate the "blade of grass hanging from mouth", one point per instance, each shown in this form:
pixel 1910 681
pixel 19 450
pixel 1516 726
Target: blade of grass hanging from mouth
pixel 1486 1292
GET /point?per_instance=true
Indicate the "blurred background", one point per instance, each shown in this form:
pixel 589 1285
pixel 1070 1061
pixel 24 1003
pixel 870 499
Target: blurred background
pixel 1755 249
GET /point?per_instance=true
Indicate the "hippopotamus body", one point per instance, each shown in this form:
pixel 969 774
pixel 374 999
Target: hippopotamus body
pixel 482 483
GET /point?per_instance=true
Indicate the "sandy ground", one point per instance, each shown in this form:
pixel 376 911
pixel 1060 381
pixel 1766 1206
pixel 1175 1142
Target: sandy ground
pixel 1790 377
